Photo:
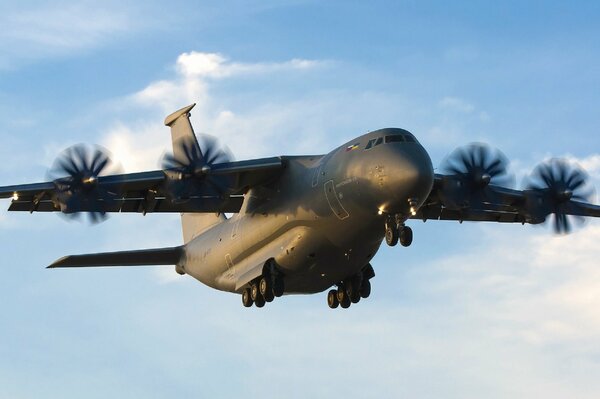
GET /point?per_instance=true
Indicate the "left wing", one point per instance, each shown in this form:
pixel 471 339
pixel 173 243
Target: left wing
pixel 453 198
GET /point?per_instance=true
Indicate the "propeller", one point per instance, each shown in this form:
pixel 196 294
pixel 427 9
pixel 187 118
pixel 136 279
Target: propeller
pixel 554 184
pixel 190 167
pixel 469 170
pixel 75 174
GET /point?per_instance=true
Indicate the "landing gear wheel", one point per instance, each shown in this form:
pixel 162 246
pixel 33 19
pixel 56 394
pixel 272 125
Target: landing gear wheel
pixel 269 296
pixel 365 289
pixel 343 297
pixel 353 290
pixel 259 301
pixel 341 293
pixel 247 298
pixel 406 236
pixel 265 287
pixel 254 291
pixel 346 302
pixel 332 300
pixel 278 287
pixel 391 234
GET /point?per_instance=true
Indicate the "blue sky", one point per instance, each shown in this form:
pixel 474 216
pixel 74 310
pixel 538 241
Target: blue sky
pixel 467 311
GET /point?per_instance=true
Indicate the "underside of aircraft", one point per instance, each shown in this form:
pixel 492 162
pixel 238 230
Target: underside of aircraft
pixel 299 224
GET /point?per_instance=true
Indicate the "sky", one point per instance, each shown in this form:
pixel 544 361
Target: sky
pixel 469 310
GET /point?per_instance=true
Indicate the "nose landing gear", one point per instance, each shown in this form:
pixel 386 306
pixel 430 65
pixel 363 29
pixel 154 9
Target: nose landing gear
pixel 396 230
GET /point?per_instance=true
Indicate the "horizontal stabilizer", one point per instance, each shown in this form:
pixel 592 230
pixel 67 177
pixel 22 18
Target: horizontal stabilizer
pixel 144 257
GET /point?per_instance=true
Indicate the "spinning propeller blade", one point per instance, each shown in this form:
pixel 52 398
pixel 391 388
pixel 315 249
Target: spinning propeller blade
pixel 469 170
pixel 75 174
pixel 555 183
pixel 192 162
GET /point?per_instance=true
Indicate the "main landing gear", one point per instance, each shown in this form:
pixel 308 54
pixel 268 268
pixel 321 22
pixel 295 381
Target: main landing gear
pixel 395 231
pixel 351 290
pixel 265 288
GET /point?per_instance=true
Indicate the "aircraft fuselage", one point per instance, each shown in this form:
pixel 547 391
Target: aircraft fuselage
pixel 322 220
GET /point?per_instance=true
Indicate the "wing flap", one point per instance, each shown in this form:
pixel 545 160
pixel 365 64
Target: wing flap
pixel 144 257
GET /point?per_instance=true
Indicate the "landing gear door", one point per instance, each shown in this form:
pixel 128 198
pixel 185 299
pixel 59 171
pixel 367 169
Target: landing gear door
pixel 334 202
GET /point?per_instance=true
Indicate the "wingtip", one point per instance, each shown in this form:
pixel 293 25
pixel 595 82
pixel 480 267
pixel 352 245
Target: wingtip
pixel 57 263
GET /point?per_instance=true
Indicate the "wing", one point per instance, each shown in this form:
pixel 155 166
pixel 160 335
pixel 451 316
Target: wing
pixel 450 199
pixel 147 191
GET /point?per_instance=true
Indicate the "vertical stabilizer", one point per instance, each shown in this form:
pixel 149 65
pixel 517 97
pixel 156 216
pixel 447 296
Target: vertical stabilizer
pixel 181 128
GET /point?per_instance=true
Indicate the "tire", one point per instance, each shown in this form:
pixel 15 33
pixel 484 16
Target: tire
pixel 406 236
pixel 254 291
pixel 278 287
pixel 346 302
pixel 260 301
pixel 269 296
pixel 365 289
pixel 341 294
pixel 265 286
pixel 352 291
pixel 332 300
pixel 391 235
pixel 247 298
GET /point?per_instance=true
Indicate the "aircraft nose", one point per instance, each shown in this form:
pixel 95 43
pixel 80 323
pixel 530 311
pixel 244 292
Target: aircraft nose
pixel 410 177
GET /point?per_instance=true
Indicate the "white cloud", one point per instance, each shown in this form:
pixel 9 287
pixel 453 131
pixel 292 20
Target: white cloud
pixel 546 294
pixel 198 64
pixel 193 71
pixel 249 131
pixel 58 29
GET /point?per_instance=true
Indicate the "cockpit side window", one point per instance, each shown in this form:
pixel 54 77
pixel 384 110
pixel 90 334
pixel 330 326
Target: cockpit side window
pixel 410 138
pixel 374 142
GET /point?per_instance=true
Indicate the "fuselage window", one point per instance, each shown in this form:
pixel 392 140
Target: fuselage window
pixel 397 138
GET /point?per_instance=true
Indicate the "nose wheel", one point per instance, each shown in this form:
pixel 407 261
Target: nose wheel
pixel 406 236
pixel 397 232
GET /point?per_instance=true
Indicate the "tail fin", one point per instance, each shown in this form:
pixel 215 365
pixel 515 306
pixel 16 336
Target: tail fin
pixel 181 128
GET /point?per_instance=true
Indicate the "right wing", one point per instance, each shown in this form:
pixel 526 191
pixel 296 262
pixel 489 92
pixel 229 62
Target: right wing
pixel 146 192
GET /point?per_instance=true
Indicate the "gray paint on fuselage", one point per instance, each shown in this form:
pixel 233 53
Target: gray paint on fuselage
pixel 293 221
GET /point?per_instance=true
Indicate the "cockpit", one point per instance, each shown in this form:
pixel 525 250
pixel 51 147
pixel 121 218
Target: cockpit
pixel 391 136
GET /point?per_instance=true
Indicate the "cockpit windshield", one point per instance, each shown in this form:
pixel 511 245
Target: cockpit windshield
pixel 400 138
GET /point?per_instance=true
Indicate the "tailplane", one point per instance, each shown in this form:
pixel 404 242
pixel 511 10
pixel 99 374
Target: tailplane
pixel 143 257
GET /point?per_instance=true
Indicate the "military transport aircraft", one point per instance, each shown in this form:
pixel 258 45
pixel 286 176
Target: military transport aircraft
pixel 300 224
